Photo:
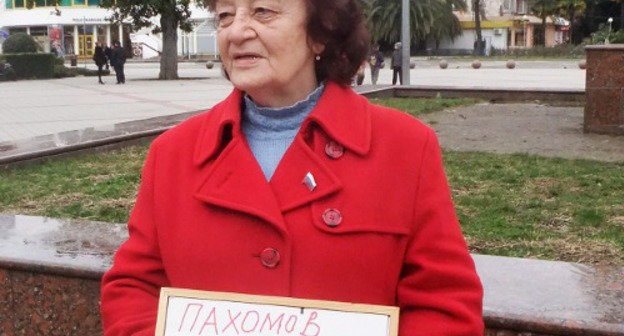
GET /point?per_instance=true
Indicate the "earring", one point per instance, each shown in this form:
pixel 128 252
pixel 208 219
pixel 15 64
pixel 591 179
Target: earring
pixel 317 58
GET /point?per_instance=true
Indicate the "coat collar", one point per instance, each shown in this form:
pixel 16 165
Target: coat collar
pixel 341 113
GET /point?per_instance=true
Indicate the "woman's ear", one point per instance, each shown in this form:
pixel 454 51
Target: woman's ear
pixel 317 48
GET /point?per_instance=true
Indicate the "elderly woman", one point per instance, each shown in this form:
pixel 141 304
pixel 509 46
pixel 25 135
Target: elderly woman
pixel 296 186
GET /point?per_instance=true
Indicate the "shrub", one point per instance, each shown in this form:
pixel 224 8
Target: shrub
pixel 600 36
pixel 58 61
pixel 88 72
pixel 20 43
pixel 561 50
pixel 29 65
pixel 61 71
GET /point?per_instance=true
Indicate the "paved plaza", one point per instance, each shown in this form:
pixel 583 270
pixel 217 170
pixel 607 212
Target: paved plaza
pixel 32 108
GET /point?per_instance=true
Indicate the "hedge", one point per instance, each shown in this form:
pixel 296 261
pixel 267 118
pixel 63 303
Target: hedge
pixel 32 65
pixel 20 43
pixel 61 71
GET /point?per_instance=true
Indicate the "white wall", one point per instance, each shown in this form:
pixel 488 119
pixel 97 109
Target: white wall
pixel 466 40
pixel 153 41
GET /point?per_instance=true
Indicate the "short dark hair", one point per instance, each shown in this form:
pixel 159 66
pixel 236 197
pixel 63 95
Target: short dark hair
pixel 340 26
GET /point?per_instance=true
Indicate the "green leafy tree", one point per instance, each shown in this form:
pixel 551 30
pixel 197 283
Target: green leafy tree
pixel 571 10
pixel 173 14
pixel 447 24
pixel 428 18
pixel 544 9
pixel 621 2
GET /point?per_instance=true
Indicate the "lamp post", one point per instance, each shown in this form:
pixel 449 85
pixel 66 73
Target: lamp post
pixel 84 45
pixel 405 41
pixel 610 21
pixel 525 19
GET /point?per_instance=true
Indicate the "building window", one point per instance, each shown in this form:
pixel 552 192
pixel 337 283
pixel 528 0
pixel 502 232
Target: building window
pixel 68 39
pixel 521 6
pixel 507 6
pixel 17 30
pixel 11 4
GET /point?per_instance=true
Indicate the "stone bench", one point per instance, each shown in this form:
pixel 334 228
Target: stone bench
pixel 50 274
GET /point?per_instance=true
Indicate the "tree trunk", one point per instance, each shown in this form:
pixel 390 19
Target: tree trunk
pixel 622 14
pixel 169 55
pixel 544 24
pixel 479 42
pixel 571 15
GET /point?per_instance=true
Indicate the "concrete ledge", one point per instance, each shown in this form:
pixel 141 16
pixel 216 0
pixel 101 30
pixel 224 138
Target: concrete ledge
pixel 129 133
pixel 50 273
pixel 86 140
pixel 605 47
pixel 571 97
pixel 604 129
pixel 551 297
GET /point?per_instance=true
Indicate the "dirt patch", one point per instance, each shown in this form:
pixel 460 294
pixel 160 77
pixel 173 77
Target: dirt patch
pixel 552 131
pixel 570 249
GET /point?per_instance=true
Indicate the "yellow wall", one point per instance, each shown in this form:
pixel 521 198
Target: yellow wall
pixel 487 24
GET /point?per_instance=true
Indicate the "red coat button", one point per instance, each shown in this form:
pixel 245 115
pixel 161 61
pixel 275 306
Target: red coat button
pixel 334 150
pixel 332 217
pixel 270 257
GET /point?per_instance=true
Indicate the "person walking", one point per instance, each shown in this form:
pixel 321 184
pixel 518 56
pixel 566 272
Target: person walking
pixel 100 60
pixel 118 59
pixel 397 61
pixel 376 62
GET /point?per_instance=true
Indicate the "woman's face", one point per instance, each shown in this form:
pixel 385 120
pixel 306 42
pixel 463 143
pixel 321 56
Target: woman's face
pixel 265 49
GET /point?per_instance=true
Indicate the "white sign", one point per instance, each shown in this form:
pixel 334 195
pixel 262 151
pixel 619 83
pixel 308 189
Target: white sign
pixel 187 312
pixel 90 20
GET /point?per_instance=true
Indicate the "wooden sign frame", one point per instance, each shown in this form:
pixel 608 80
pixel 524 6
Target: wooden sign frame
pixel 166 293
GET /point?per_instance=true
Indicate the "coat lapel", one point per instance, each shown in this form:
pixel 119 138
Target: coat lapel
pixel 234 180
pixel 289 181
pixel 344 117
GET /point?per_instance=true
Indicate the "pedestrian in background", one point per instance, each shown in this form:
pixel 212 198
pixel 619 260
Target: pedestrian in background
pixel 397 61
pixel 118 59
pixel 100 60
pixel 108 51
pixel 376 62
pixel 360 73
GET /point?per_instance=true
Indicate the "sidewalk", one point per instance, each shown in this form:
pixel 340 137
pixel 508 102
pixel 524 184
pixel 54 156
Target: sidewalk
pixel 36 108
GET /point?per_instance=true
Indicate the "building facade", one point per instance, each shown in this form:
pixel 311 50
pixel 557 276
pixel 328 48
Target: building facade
pixel 73 27
pixel 505 24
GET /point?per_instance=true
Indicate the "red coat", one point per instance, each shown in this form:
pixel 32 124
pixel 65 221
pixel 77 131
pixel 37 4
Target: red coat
pixel 206 218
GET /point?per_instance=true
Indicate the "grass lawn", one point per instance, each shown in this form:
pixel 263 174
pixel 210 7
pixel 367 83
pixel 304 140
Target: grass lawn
pixel 417 107
pixel 529 206
pixel 513 205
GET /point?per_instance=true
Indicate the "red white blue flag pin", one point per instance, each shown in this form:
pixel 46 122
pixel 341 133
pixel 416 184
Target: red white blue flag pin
pixel 308 180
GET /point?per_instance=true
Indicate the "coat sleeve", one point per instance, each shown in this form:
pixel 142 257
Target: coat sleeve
pixel 439 292
pixel 131 288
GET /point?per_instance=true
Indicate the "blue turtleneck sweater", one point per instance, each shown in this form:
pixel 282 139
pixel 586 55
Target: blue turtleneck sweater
pixel 270 131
